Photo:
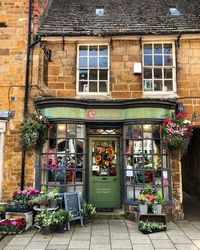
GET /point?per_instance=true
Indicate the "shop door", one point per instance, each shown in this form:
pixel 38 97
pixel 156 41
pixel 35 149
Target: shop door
pixel 104 181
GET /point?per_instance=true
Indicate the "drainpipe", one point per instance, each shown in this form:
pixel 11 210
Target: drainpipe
pixel 26 89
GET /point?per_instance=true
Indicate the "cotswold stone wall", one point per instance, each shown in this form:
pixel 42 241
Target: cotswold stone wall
pixel 13 44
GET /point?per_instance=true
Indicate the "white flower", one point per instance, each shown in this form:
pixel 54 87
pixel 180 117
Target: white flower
pixel 186 122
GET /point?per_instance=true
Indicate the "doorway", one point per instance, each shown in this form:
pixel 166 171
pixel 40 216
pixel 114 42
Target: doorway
pixel 104 172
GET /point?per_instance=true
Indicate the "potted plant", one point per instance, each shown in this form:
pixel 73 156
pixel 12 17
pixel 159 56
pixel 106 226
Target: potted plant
pixel 143 203
pixel 175 131
pixel 42 200
pixel 34 130
pixel 43 220
pixel 60 220
pixel 87 211
pixel 151 227
pixel 157 204
pixel 52 195
pixel 12 226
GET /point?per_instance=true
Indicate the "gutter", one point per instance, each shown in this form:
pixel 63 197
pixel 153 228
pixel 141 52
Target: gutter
pixel 26 93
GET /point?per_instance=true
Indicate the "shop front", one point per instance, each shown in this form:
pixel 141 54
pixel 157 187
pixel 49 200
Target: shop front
pixel 105 150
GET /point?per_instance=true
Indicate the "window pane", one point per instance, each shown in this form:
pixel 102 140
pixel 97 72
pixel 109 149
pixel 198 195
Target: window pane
pixel 103 87
pixel 93 74
pixel 52 131
pixel 158 60
pixel 93 87
pixel 103 74
pixel 147 60
pixel 158 85
pixel 156 131
pixel 103 50
pixel 167 49
pixel 148 85
pixel 82 62
pixel 147 146
pixel 147 73
pixel 71 130
pixel 79 146
pixel 168 61
pixel 147 49
pixel 80 131
pixel 93 62
pixel 103 62
pixel 83 87
pixel 83 74
pixel 157 48
pixel 61 145
pixel 168 85
pixel 61 133
pixel 147 131
pixel 93 50
pixel 168 73
pixel 71 146
pixel 83 51
pixel 130 193
pixel 158 73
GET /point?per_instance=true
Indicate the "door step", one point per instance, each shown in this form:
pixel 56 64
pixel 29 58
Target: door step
pixel 116 214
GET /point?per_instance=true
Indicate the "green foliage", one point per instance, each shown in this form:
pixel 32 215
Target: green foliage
pixel 150 227
pixel 55 218
pixel 87 210
pixel 34 130
pixel 159 197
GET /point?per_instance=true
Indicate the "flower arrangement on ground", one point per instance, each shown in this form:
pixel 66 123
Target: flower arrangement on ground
pixel 33 130
pixel 22 200
pixel 151 197
pixel 12 226
pixel 87 210
pixel 176 131
pixel 53 221
pixel 151 227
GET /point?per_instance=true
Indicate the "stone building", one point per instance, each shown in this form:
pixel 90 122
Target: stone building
pixel 105 74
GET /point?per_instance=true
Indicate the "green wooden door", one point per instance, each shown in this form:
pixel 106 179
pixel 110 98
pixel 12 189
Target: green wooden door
pixel 104 176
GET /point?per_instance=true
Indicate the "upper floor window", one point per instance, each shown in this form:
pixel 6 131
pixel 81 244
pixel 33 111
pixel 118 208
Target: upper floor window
pixel 159 67
pixel 93 69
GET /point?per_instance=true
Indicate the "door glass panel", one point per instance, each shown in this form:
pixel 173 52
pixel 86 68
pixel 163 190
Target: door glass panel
pixel 104 162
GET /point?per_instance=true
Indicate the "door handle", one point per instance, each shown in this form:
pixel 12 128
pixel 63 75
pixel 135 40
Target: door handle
pixel 114 179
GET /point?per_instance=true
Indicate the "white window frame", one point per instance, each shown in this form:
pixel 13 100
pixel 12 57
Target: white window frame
pixel 88 68
pixel 173 67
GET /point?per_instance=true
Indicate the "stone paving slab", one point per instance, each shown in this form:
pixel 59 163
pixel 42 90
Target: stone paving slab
pixel 108 235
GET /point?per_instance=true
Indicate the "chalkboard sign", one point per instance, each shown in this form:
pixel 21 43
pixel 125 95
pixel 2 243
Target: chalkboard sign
pixel 72 204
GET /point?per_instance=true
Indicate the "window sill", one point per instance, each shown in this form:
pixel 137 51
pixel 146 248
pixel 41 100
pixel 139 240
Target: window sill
pixel 160 94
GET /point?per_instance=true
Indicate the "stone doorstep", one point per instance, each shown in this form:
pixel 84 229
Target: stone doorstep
pixel 116 214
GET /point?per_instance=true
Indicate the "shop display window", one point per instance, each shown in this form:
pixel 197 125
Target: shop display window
pixel 63 158
pixel 145 161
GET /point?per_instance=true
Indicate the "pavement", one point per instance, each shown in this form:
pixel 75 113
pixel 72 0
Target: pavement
pixel 109 235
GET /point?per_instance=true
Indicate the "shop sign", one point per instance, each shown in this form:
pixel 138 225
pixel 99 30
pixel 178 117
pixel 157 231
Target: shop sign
pixel 2 127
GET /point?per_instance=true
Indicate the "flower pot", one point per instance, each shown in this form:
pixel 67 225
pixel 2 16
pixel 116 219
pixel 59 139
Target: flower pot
pixel 52 203
pixel 43 207
pixel 143 209
pixel 158 209
pixel 61 228
pixel 45 230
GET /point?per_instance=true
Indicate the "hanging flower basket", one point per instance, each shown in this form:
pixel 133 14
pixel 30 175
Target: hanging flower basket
pixel 33 131
pixel 176 131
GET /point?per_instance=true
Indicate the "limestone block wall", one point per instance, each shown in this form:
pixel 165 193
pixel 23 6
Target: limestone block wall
pixel 13 45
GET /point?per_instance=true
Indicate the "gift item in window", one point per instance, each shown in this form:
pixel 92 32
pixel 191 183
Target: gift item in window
pixel 148 174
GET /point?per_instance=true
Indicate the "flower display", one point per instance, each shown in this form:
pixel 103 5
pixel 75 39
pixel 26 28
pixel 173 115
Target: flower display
pixel 12 226
pixel 33 130
pixel 25 196
pixel 87 210
pixel 175 131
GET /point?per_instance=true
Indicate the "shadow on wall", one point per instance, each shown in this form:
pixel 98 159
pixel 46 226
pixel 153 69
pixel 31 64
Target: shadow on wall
pixel 191 166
